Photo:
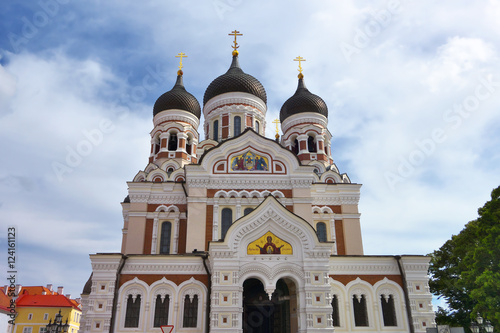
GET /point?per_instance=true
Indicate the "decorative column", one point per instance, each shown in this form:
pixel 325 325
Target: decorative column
pixel 176 235
pixel 155 236
pixel 215 223
pixel 181 141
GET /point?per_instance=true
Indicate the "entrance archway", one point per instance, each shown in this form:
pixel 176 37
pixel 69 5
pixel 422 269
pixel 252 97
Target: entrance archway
pixel 261 315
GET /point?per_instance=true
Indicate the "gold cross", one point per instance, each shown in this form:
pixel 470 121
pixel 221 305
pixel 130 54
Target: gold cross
pixel 299 59
pixel 235 33
pixel 181 55
pixel 276 121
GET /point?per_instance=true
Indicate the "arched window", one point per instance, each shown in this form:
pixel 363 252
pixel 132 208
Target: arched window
pixel 169 171
pixel 247 211
pixel 311 145
pixel 161 310
pixel 360 311
pixel 133 311
pixel 226 221
pixel 388 310
pixel 166 231
pixel 189 145
pixel 295 146
pixel 156 148
pixel 172 142
pixel 257 127
pixel 190 311
pixel 335 311
pixel 216 130
pixel 321 231
pixel 237 126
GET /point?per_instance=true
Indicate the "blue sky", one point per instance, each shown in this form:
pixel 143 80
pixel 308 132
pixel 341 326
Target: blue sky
pixel 413 90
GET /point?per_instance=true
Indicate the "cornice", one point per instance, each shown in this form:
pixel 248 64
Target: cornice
pixel 178 115
pixel 336 200
pixel 155 268
pixel 303 118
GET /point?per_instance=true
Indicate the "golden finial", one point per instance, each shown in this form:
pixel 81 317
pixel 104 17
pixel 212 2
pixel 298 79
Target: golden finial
pixel 235 46
pixel 299 59
pixel 180 55
pixel 276 121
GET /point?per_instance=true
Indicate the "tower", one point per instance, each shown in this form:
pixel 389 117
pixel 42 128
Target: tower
pixel 241 233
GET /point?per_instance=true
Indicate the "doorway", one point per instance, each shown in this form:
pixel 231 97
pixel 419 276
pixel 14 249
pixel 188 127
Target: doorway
pixel 261 315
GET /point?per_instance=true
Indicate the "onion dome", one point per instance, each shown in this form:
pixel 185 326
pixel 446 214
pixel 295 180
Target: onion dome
pixel 303 101
pixel 235 80
pixel 177 98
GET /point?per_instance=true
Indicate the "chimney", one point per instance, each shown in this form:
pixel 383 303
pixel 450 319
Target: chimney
pixel 18 289
pixel 60 290
pixel 78 300
pixel 5 289
pixel 49 287
pixel 68 296
pixel 44 292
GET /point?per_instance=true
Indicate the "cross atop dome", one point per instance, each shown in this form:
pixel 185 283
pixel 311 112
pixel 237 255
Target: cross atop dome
pixel 235 33
pixel 180 55
pixel 299 59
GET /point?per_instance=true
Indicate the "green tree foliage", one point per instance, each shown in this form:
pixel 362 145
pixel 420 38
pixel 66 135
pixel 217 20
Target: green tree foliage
pixel 465 271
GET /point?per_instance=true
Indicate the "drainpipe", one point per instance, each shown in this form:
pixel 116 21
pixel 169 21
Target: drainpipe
pixel 407 297
pixel 115 297
pixel 204 256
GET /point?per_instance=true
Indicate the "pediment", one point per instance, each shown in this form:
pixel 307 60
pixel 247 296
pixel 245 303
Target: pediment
pixel 271 231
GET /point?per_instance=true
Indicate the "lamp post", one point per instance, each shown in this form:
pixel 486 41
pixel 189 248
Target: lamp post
pixel 57 326
pixel 481 325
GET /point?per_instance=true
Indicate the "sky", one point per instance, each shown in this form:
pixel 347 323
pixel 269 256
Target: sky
pixel 412 87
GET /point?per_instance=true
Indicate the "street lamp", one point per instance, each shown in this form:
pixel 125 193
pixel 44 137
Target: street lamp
pixel 57 326
pixel 481 325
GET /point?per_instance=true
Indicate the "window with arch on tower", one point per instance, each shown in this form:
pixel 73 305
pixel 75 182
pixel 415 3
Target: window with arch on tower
pixel 311 145
pixel 216 130
pixel 257 126
pixel 166 232
pixel 189 145
pixel 237 126
pixel 133 310
pixel 295 146
pixel 190 318
pixel 247 211
pixel 172 141
pixel 156 146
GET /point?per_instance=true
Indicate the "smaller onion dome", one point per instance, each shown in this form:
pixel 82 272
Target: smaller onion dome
pixel 303 101
pixel 178 98
pixel 235 80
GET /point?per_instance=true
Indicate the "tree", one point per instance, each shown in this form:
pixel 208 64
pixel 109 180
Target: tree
pixel 465 271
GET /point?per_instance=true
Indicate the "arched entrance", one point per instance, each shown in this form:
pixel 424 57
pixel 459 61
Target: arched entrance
pixel 261 315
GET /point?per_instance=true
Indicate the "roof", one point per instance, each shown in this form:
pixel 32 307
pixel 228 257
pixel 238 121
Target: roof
pixel 179 99
pixel 4 301
pixel 27 300
pixel 303 101
pixel 235 80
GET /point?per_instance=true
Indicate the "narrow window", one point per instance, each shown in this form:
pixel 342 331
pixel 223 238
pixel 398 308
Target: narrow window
pixel 247 211
pixel 172 142
pixel 295 146
pixel 335 311
pixel 132 312
pixel 188 147
pixel 190 311
pixel 388 310
pixel 257 127
pixel 42 329
pixel 321 231
pixel 30 316
pixel 311 145
pixel 360 312
pixel 166 231
pixel 237 126
pixel 27 329
pixel 156 146
pixel 161 310
pixel 216 130
pixel 227 220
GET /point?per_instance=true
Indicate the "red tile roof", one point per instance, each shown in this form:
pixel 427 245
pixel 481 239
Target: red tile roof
pixel 27 300
pixel 4 301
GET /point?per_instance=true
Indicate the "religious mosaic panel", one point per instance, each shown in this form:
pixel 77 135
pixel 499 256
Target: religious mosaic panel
pixel 269 243
pixel 249 161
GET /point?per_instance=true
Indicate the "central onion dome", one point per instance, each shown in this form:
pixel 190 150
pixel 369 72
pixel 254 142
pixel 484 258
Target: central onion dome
pixel 178 98
pixel 235 80
pixel 303 101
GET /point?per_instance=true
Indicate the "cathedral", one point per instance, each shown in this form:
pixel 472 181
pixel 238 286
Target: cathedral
pixel 243 233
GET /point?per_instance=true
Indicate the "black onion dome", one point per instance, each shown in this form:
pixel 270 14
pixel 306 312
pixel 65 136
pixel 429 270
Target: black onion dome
pixel 177 98
pixel 235 80
pixel 303 101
